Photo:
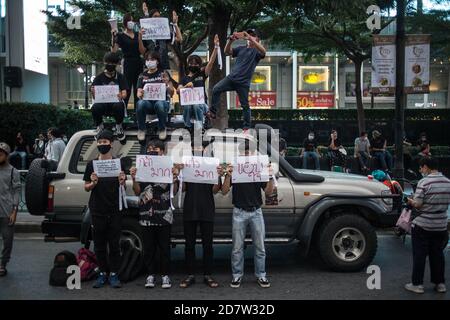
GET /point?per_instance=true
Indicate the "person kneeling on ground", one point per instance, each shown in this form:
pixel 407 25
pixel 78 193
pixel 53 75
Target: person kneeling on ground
pixel 156 218
pixel 109 77
pixel 153 75
pixel 106 216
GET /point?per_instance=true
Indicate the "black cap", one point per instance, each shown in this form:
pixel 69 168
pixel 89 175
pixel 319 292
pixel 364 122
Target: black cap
pixel 105 134
pixel 252 32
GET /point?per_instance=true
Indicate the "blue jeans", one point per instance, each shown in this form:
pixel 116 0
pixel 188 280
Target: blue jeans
pixel 23 157
pixel 385 159
pixel 313 155
pixel 241 219
pixel 160 108
pixel 227 84
pixel 196 110
pixel 363 159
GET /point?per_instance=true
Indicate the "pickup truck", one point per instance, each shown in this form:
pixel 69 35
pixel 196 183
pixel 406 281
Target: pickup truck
pixel 333 214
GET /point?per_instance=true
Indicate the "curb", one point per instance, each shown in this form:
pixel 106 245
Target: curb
pixel 27 227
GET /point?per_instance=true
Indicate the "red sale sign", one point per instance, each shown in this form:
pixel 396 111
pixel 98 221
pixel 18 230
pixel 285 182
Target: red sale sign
pixel 260 99
pixel 316 99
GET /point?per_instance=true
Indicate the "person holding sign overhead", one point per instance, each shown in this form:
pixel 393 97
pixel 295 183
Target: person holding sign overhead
pixel 162 45
pixel 154 92
pixel 110 100
pixel 247 202
pixel 105 206
pixel 130 42
pixel 247 57
pixel 156 218
pixel 195 78
pixel 198 212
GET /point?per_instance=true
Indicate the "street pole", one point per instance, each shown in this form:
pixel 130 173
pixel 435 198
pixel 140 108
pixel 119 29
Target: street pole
pixel 400 97
pixel 86 94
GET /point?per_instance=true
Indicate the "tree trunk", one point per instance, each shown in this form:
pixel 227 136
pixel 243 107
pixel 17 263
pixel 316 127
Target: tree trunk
pixel 219 19
pixel 358 91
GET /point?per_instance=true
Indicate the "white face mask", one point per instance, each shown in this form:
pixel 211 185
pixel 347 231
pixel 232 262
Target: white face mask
pixel 311 137
pixel 151 64
pixel 130 25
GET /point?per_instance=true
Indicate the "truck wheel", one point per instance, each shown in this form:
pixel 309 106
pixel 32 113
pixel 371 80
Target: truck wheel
pixel 36 188
pixel 131 244
pixel 347 243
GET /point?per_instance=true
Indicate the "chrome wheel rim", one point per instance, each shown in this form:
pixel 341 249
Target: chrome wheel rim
pixel 348 244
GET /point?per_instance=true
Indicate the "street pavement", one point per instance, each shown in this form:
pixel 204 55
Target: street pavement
pixel 292 277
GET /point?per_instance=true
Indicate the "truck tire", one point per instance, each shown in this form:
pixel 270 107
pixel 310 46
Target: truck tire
pixel 36 188
pixel 131 244
pixel 347 243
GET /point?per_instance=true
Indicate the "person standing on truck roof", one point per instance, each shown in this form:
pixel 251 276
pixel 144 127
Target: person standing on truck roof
pixel 198 212
pixel 429 233
pixel 104 205
pixel 247 202
pixel 156 218
pixel 9 202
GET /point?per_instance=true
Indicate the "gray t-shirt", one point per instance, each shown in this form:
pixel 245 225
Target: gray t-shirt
pixel 361 145
pixel 245 64
pixel 9 189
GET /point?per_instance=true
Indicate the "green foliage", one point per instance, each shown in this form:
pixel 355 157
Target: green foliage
pixel 32 119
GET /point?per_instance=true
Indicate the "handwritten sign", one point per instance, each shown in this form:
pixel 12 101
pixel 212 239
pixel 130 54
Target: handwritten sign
pixel 200 169
pixel 154 169
pixel 107 168
pixel 192 96
pixel 154 91
pixel 251 169
pixel 155 28
pixel 106 94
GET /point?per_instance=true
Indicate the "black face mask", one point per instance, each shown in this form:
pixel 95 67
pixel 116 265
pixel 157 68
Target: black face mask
pixel 110 67
pixel 194 69
pixel 104 148
pixel 153 153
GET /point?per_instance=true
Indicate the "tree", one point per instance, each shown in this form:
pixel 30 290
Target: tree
pixel 316 27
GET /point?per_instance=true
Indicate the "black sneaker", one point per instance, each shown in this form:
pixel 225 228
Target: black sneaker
pixel 236 282
pixel 263 282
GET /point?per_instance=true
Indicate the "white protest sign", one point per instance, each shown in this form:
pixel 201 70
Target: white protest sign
pixel 156 169
pixel 250 169
pixel 155 91
pixel 191 96
pixel 106 94
pixel 155 28
pixel 107 168
pixel 200 169
pixel 113 24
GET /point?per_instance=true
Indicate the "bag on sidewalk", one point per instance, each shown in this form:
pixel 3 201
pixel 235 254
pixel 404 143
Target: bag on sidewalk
pixel 88 264
pixel 404 221
pixel 58 274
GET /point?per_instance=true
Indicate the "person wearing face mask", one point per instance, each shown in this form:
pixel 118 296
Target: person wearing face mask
pixel 247 57
pixel 105 211
pixel 153 74
pixel 130 42
pixel 162 46
pixel 362 151
pixel 196 77
pixel 337 154
pixel 198 212
pixel 429 235
pixel 310 150
pixel 110 76
pixel 9 202
pixel 156 218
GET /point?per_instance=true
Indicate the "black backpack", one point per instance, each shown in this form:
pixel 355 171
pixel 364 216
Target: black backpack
pixel 58 275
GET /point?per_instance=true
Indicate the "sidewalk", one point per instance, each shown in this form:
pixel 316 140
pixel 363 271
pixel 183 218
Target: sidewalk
pixel 27 223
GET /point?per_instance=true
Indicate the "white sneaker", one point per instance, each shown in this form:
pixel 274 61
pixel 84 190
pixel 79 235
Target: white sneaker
pixel 150 282
pixel 413 288
pixel 440 288
pixel 166 282
pixel 99 129
pixel 141 135
pixel 162 134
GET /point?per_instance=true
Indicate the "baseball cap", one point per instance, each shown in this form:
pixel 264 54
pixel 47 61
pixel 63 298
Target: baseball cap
pixel 252 32
pixel 4 147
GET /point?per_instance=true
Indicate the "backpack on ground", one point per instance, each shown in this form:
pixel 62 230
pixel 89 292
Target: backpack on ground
pixel 58 274
pixel 87 262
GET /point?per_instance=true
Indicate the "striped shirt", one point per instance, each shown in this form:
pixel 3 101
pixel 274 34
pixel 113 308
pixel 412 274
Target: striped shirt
pixel 433 193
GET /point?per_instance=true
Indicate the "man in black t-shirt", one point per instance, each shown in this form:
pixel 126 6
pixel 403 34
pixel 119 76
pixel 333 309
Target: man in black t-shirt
pixel 104 205
pixel 110 76
pixel 378 146
pixel 310 150
pixel 247 202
